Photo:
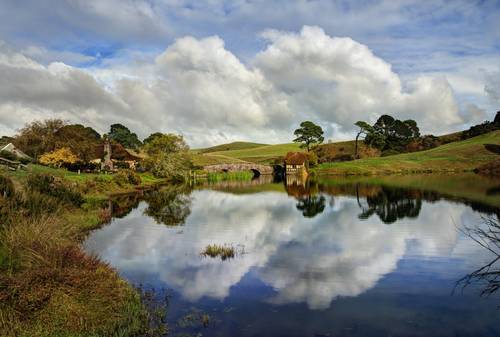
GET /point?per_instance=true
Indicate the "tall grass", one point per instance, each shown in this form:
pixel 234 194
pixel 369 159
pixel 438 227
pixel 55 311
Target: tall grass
pixel 48 285
pixel 223 176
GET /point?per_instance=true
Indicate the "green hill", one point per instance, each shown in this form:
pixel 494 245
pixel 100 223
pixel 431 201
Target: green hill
pixel 261 154
pixel 229 147
pixel 456 156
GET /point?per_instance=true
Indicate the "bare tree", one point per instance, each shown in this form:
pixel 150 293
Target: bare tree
pixel 488 237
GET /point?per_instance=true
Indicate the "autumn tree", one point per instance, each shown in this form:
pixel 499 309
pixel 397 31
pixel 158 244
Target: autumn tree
pixel 59 157
pixel 308 134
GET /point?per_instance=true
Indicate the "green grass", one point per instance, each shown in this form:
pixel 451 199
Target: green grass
pixel 261 154
pixel 453 157
pixel 229 147
pixel 224 176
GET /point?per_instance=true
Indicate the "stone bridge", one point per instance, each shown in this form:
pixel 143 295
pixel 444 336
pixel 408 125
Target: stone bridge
pixel 257 169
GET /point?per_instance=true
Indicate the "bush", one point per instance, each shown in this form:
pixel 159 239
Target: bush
pixel 124 177
pixel 8 155
pixel 6 187
pixel 36 204
pixel 313 159
pixel 50 185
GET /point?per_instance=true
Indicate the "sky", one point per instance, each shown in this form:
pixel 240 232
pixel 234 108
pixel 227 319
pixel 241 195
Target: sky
pixel 218 71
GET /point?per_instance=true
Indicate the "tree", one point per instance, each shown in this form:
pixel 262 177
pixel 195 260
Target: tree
pixel 364 129
pixel 165 143
pixel 38 137
pixel 308 134
pixel 121 134
pixel 151 137
pixel 57 158
pixel 390 134
pixel 168 156
pixel 80 139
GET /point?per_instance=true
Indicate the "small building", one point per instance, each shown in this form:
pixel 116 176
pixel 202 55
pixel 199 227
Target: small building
pixel 296 163
pixel 11 148
pixel 109 155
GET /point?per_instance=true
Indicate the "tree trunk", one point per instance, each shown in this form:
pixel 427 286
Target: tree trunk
pixel 356 146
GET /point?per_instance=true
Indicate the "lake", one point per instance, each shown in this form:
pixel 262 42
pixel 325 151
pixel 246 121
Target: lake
pixel 333 257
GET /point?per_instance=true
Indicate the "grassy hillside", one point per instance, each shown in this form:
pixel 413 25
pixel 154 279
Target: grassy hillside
pixel 261 154
pixel 332 150
pixel 457 156
pixel 229 147
pixel 211 159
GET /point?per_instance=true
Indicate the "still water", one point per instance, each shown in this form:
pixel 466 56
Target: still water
pixel 328 258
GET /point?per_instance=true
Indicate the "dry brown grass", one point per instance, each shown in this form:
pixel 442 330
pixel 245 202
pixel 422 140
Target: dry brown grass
pixel 50 287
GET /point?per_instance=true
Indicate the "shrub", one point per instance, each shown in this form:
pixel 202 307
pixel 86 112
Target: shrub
pixel 6 187
pixel 124 177
pixel 8 155
pixel 36 203
pixel 50 185
pixel 313 159
pixel 59 157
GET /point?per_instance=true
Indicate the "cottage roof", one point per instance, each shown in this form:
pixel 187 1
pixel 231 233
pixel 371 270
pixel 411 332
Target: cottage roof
pixel 295 158
pixel 13 149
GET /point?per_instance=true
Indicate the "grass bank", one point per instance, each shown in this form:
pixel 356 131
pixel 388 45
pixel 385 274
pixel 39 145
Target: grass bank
pixel 459 156
pixel 255 153
pixel 48 285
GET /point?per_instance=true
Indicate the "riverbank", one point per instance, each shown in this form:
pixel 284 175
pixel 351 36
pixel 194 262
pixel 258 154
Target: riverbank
pixel 48 285
pixel 454 157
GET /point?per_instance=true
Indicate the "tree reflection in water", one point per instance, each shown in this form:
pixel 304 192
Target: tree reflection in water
pixel 310 202
pixel 169 205
pixel 488 236
pixel 311 205
pixel 392 204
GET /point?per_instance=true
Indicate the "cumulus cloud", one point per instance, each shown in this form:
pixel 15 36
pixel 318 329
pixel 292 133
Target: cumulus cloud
pixel 341 81
pixel 312 261
pixel 199 88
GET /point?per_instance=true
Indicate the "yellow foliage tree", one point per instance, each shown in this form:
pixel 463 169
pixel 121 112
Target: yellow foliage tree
pixel 58 157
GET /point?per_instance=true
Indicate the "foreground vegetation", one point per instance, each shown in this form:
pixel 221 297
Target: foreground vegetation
pixel 458 156
pixel 48 285
pixel 223 251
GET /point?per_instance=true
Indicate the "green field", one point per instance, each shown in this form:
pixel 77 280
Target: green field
pixel 453 157
pixel 229 147
pixel 261 154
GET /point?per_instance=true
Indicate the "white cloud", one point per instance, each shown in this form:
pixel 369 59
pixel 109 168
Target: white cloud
pixel 341 81
pixel 311 261
pixel 199 88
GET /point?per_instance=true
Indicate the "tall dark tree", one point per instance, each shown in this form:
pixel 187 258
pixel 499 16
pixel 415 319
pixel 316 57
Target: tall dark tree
pixel 309 134
pixel 121 134
pixel 364 129
pixel 390 134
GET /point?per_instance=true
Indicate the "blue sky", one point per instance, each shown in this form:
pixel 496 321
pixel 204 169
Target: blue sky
pixel 248 69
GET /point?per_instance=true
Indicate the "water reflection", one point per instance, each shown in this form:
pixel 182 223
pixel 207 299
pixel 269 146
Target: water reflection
pixel 299 248
pixel 169 206
pixel 392 204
